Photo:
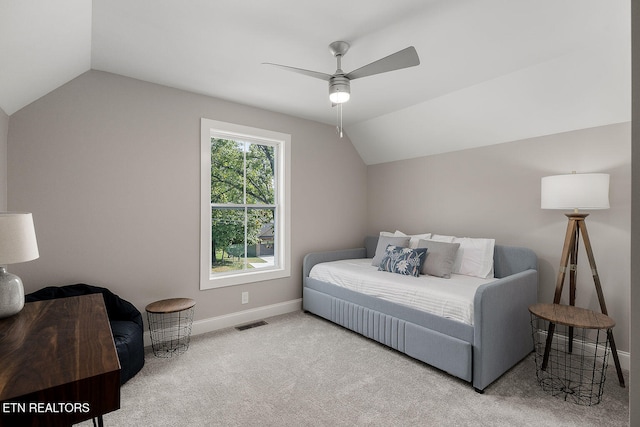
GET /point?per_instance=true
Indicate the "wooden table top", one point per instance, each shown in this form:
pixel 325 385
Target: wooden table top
pixel 171 305
pixel 59 351
pixel 572 316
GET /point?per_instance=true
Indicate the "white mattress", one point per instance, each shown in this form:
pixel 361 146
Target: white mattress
pixel 451 298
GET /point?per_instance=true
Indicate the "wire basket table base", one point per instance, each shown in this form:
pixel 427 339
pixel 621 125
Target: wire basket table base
pixel 572 365
pixel 170 323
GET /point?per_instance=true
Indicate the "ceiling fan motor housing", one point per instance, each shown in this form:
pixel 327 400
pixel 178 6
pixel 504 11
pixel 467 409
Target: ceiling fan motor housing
pixel 339 89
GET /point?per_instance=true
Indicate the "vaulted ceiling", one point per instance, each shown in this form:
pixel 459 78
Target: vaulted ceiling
pixel 491 71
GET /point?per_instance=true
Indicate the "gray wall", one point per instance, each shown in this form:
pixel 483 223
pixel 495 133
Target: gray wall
pixel 109 166
pixel 634 374
pixel 495 192
pixel 4 130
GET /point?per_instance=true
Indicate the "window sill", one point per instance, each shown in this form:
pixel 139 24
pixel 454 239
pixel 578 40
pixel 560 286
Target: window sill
pixel 245 277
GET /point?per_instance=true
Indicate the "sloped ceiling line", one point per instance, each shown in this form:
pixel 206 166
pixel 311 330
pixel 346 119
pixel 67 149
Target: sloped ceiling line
pixel 490 71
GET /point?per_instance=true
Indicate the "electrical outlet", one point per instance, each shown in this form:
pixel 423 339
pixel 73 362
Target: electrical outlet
pixel 245 297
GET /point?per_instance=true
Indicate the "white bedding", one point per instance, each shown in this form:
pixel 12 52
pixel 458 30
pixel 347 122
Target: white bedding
pixel 451 298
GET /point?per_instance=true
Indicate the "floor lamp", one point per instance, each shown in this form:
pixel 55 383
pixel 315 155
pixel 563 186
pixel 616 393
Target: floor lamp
pixel 578 191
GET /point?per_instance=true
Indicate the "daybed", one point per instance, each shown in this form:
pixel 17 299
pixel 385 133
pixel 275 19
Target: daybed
pixel 498 336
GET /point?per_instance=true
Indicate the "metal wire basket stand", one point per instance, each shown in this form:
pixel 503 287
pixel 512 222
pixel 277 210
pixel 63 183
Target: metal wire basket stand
pixel 576 369
pixel 170 332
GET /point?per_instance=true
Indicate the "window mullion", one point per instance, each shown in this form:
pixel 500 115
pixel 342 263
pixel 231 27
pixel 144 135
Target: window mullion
pixel 244 201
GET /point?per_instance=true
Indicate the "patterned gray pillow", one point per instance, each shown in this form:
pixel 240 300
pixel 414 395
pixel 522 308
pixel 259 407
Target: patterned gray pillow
pixel 405 261
pixel 441 257
pixel 383 242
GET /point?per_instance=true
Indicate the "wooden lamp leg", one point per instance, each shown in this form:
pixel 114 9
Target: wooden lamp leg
pixel 573 271
pixel 603 305
pixel 547 346
pixel 567 250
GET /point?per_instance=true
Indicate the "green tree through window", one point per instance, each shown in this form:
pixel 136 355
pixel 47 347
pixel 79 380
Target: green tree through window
pixel 243 203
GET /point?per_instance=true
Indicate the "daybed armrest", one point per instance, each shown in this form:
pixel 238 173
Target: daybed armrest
pixel 502 328
pixel 317 257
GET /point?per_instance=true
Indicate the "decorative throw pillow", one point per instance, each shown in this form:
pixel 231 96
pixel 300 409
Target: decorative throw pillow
pixel 441 257
pixel 383 242
pixel 405 261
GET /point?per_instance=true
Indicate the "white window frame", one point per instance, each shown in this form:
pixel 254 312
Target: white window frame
pixel 212 128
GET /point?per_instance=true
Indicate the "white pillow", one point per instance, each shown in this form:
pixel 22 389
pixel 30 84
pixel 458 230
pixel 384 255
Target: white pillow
pixel 475 257
pixel 387 234
pixel 441 238
pixel 414 238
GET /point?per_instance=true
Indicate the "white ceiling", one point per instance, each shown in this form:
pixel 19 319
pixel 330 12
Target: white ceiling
pixel 491 71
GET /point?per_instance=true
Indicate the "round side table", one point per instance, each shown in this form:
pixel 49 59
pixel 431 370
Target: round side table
pixel 572 350
pixel 170 322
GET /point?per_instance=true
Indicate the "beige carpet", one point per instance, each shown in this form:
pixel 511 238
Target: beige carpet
pixel 299 370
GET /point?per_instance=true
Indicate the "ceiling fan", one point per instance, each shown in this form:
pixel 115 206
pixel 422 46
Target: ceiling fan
pixel 339 82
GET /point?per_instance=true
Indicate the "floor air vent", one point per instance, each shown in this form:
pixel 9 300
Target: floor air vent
pixel 251 325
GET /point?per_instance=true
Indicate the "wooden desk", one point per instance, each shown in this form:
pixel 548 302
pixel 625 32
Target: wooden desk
pixel 59 363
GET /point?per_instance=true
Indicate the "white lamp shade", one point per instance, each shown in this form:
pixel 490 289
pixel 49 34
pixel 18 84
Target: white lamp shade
pixel 575 191
pixel 17 238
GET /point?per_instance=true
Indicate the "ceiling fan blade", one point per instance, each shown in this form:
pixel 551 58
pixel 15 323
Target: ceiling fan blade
pixel 402 59
pixel 316 74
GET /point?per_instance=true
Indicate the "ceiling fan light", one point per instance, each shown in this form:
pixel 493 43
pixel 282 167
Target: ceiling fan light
pixel 338 97
pixel 339 89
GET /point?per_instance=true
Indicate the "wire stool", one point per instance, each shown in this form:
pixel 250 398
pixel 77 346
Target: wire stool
pixel 572 363
pixel 170 323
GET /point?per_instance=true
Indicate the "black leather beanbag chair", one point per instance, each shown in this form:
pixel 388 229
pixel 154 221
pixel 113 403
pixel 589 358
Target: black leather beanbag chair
pixel 124 318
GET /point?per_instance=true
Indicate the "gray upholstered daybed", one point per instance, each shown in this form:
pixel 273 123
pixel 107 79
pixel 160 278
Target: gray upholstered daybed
pixel 498 338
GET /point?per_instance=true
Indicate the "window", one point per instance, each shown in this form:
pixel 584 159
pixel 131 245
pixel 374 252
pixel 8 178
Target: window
pixel 244 205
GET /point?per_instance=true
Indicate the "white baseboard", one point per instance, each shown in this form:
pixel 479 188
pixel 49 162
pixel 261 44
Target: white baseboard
pixel 625 359
pixel 228 320
pixel 623 356
pixel 241 317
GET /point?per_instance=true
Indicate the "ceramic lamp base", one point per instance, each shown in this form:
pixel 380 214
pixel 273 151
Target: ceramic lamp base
pixel 11 294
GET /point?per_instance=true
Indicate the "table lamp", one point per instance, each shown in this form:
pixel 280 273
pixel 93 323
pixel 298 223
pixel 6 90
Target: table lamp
pixel 574 192
pixel 17 244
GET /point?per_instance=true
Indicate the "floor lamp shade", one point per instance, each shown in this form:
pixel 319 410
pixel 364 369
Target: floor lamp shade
pixel 17 244
pixel 575 191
